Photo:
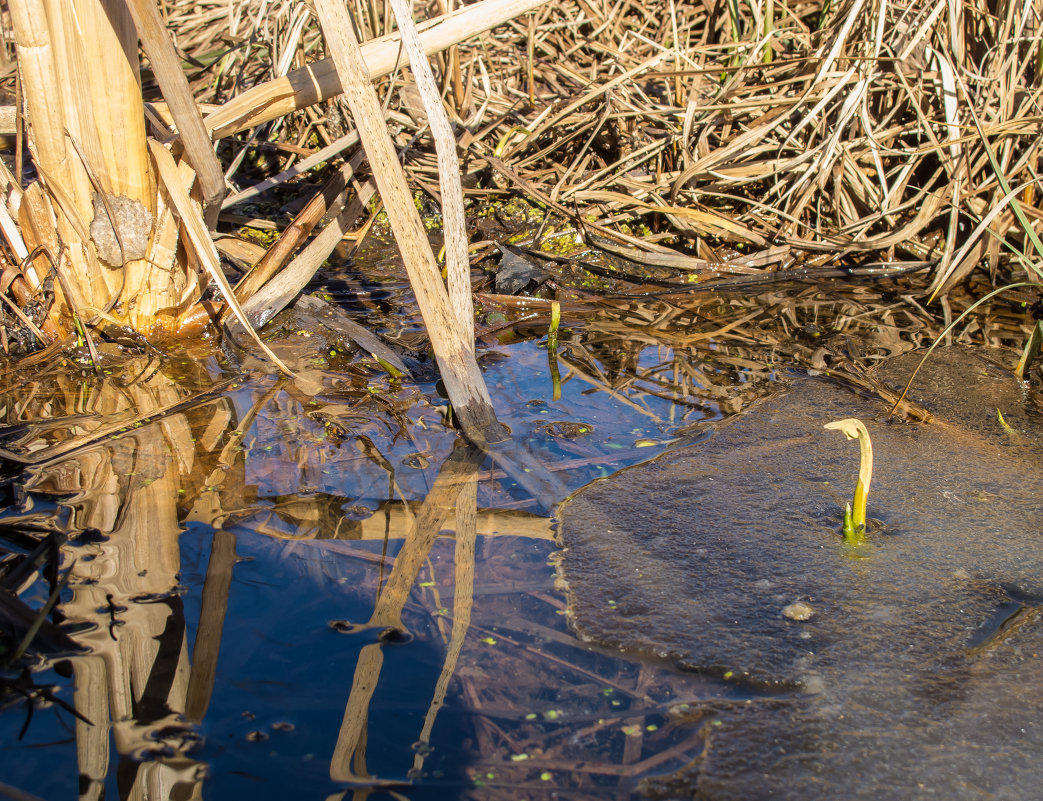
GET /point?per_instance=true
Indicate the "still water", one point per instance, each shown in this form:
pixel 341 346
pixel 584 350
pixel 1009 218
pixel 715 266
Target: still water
pixel 312 588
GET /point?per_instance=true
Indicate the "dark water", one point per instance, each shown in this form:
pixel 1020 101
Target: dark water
pixel 312 588
pixel 249 631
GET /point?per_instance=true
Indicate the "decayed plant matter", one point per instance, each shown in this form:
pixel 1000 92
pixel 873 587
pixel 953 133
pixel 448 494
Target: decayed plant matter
pixel 745 136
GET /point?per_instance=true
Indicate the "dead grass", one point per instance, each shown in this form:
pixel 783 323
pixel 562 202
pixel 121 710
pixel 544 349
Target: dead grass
pixel 790 135
pixel 839 134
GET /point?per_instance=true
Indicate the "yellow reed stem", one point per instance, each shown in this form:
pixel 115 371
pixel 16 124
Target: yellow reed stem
pixel 855 429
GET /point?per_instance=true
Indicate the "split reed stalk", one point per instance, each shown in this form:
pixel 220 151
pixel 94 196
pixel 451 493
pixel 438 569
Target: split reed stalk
pixel 83 96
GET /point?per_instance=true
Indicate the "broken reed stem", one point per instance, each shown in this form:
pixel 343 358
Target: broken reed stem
pixel 453 350
pixel 454 224
pixel 199 238
pixel 277 293
pixel 295 234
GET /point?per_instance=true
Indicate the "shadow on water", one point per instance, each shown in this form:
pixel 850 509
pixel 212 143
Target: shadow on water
pixel 313 587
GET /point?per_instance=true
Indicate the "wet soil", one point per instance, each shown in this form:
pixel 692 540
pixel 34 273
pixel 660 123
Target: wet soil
pixel 907 673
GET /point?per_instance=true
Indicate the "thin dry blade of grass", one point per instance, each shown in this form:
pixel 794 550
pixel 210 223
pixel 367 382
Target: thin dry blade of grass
pixel 454 226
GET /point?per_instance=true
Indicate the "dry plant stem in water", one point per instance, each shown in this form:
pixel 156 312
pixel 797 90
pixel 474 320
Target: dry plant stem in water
pixel 454 349
pixel 855 514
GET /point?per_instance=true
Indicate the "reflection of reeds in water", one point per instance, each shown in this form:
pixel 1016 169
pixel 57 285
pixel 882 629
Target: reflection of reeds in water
pixel 721 352
pixel 454 487
pixel 115 455
pixel 132 459
pixel 135 471
pixel 120 478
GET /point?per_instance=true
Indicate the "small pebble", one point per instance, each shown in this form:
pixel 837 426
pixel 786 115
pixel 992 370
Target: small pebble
pixel 798 611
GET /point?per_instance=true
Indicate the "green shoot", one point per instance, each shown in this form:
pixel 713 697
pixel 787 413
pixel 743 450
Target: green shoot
pixel 501 146
pixel 767 30
pixel 851 534
pixel 552 349
pixel 555 321
pixel 823 15
pixel 733 19
pixel 390 369
pixel 855 513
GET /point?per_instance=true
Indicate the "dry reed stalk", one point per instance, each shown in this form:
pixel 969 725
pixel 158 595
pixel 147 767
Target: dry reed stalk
pixel 198 149
pixel 106 119
pixel 453 350
pixel 454 225
pixel 278 292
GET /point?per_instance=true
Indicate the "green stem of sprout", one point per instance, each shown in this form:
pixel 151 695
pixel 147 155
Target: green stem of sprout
pixel 769 27
pixel 552 348
pixel 555 321
pixel 855 513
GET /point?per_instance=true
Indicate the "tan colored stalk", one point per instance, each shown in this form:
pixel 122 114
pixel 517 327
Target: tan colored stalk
pixel 79 62
pixel 167 68
pixel 454 225
pixel 453 350
pixel 106 119
pixel 44 98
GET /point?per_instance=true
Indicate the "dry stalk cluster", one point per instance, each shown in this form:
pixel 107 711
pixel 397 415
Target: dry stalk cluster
pixel 747 136
pixel 801 132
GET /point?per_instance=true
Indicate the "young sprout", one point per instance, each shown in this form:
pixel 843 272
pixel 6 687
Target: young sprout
pixel 552 349
pixel 855 515
pixel 555 321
